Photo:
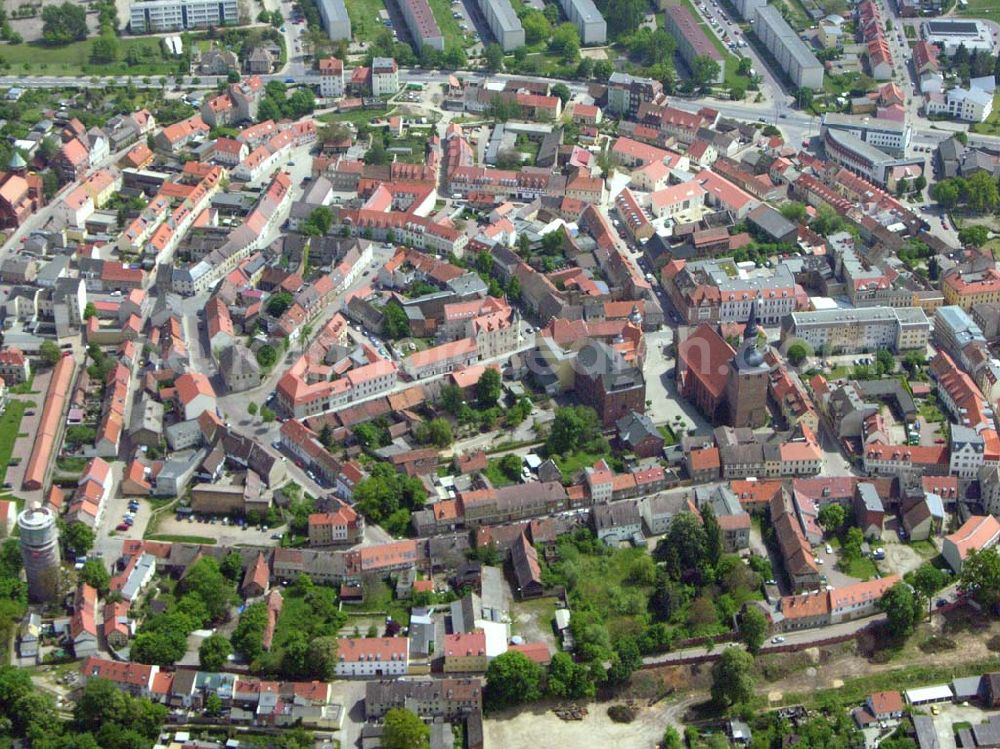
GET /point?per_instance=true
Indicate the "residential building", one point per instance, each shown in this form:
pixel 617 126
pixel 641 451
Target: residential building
pixel 421 24
pixel 626 93
pixel 335 19
pixel 859 329
pixel 153 16
pixel 978 532
pixel 588 20
pixel 971 104
pixel 504 23
pixel 384 77
pixel 331 77
pixel 617 522
pixel 465 652
pixel 342 526
pixel 372 656
pixel 692 41
pixel 795 58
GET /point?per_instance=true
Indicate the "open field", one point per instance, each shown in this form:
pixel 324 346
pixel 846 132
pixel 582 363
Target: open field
pixel 988 9
pixel 365 19
pixel 74 59
pixel 9 429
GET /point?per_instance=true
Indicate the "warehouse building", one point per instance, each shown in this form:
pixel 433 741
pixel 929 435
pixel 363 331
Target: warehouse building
pixel 692 42
pixel 177 15
pixel 504 23
pixel 423 27
pixel 794 57
pixel 951 33
pixel 587 19
pixel 335 19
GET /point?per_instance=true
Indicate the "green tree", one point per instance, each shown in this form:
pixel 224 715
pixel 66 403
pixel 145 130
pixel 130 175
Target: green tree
pixel 385 491
pixel 573 428
pixel 827 221
pixel 885 362
pixel 804 97
pixel 981 577
pixel 213 704
pixel 568 679
pixel 62 24
pixel 395 324
pixel 252 408
pixel 753 628
pixel 377 155
pixel 793 211
pixel 321 656
pixel 248 637
pixel 732 677
pixel 404 730
pixel 982 193
pixel 493 54
pixel 928 580
pixel 510 466
pixel 49 353
pixel 213 652
pixel 946 193
pixel 831 517
pixel 704 70
pixel 625 661
pixel 232 566
pixel 683 547
pixel 205 580
pixel 603 70
pixel 96 575
pixel 902 610
pixel 435 432
pixel 78 539
pixel 511 679
pixel 536 27
pixel 278 303
pixel 267 356
pixel 267 415
pixel 713 535
pixel 671 737
pixel 488 388
pixel 797 353
pixel 562 91
pixel 319 221
pixel 104 49
pixel 976 235
pixel 565 42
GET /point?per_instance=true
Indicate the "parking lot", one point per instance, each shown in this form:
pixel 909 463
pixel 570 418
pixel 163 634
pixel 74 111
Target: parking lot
pixel 224 535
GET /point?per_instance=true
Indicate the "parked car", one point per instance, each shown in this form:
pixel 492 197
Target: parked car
pixel 777 640
pixel 122 527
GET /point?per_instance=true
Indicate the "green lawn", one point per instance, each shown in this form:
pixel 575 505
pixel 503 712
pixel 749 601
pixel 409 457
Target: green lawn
pixel 573 463
pixel 10 426
pixel 356 117
pixel 379 597
pixel 988 9
pixel 798 19
pixel 180 539
pixel 454 37
pixel 862 568
pixel 74 59
pixel 495 475
pixel 993 246
pixel 365 18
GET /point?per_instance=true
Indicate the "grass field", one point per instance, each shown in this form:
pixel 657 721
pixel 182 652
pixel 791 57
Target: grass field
pixel 365 19
pixel 358 117
pixel 74 59
pixel 988 9
pixel 10 424
pixel 179 539
pixel 495 475
pixel 453 35
pixel 993 246
pixel 862 568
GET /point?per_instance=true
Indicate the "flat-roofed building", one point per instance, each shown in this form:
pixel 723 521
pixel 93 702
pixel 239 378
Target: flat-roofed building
pixel 503 23
pixel 422 25
pixel 335 19
pixel 888 136
pixel 588 20
pixel 791 53
pixel 951 33
pixel 692 42
pixel 850 331
pixel 174 15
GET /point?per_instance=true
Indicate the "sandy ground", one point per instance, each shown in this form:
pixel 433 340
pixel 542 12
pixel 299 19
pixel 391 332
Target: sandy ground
pixel 538 727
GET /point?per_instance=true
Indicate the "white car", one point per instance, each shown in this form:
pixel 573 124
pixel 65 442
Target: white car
pixel 829 549
pixel 777 640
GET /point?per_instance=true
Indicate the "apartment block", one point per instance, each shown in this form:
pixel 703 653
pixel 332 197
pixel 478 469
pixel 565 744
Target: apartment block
pixel 849 331
pixel 422 25
pixel 504 23
pixel 587 19
pixel 175 15
pixel 692 42
pixel 794 57
pixel 335 19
